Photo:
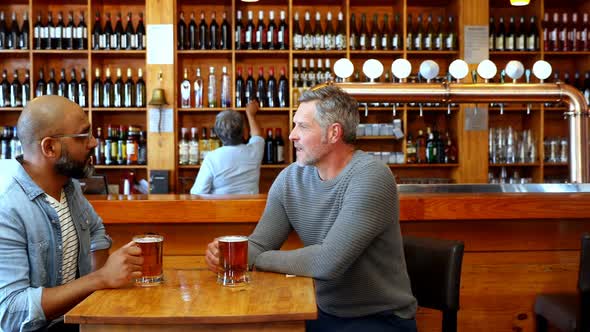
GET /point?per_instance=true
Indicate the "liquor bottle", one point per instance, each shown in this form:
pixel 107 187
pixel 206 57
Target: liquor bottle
pixel 279 145
pixel 193 147
pixel 40 86
pixel 500 34
pixel 203 31
pixel 83 89
pixel 225 33
pixel 203 145
pixel 109 156
pixel 375 41
pixel 99 149
pixel 212 88
pixel 450 152
pixel 271 89
pixel 431 152
pixel 132 146
pixel 183 147
pixel 127 36
pixel 421 148
pixel 250 92
pixel 396 39
pixel 116 36
pixel 410 34
pixel 249 34
pixel 297 34
pixel 520 36
pixel 68 31
pixel 451 35
pixel 260 37
pixel 97 34
pixel 574 33
pixel 62 85
pixel 58 41
pixel 213 41
pixel 81 40
pixel 13 35
pixel 140 97
pixel 411 156
pixel 193 33
pixel 38 38
pixel 429 34
pixel 128 90
pixel 107 90
pixel 340 38
pixel 239 33
pixel 584 33
pixel 3 32
pixel 198 89
pixel 283 89
pixel 384 43
pixel 318 34
pixel 363 33
pixel 142 148
pixel 26 89
pixel 283 32
pixel 261 88
pixel 269 148
pixel 492 34
pixel 122 146
pixel 140 33
pixel 118 90
pixel 51 83
pixel 15 91
pixel 532 36
pixel 240 102
pixel 271 32
pixel 307 32
pixel 97 89
pixel 72 90
pixel 562 40
pixel 185 91
pixel 225 88
pixel 181 32
pixel 108 33
pixel 509 39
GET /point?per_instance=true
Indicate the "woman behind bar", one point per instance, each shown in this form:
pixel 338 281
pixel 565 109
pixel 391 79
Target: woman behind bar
pixel 235 167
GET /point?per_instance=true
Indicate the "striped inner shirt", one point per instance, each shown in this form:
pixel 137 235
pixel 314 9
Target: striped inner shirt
pixel 69 238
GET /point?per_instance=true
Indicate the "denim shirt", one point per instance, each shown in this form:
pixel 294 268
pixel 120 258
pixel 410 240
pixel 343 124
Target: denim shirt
pixel 31 245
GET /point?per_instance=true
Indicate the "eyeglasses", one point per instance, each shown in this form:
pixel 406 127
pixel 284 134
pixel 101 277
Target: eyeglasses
pixel 86 135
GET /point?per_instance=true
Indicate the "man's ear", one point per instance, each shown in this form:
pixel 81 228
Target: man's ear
pixel 49 148
pixel 335 132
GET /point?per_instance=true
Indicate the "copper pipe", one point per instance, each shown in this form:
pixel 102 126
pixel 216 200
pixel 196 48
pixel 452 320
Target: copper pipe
pixel 579 162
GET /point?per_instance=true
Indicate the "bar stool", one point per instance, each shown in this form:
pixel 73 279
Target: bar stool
pixel 568 312
pixel 434 267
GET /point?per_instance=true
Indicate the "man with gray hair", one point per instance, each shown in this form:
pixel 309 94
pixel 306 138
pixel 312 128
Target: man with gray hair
pixel 233 168
pixel 344 206
pixel 53 244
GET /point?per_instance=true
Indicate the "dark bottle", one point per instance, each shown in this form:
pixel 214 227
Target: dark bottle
pixel 283 90
pixel 500 34
pixel 330 34
pixel 553 31
pixel 239 31
pixel 385 39
pixel 68 37
pixel 50 32
pixel 98 150
pixel 72 89
pixel 429 34
pixel 107 90
pixel 509 40
pixel 421 148
pixel 562 38
pixel 297 33
pixel 410 34
pixel 213 33
pixel 26 89
pixel 419 34
pixel 13 35
pixel 58 40
pixel 142 148
pixel 203 31
pixel 118 90
pixel 83 89
pixel 269 148
pixel 62 85
pixel 520 41
pixel 81 39
pixel 128 91
pixel 431 152
pixel 574 33
pixel 3 33
pixel 307 32
pixel 193 33
pixel 363 33
pixel 396 39
pixel 272 32
pixel 41 86
pixel 140 89
pixel 181 32
pixel 51 83
pixel 116 36
pixel 439 37
pixel 354 34
pixel 532 35
pixel 15 91
pixel 4 90
pixel 492 34
pixel 97 34
pixel 127 37
pixel 250 92
pixel 249 32
pixel 283 32
pixel 140 33
pixel 584 33
pixel 97 89
pixel 279 145
pixel 340 38
pixel 271 89
pixel 240 102
pixel 225 33
pixel 375 42
pixel 318 34
pixel 38 36
pixel 261 88
pixel 108 33
pixel 260 37
pixel 450 35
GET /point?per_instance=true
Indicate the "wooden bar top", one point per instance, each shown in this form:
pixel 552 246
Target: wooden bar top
pixel 146 209
pixel 191 295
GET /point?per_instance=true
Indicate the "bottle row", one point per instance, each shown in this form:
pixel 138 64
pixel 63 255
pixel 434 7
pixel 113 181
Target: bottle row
pixel 60 36
pixel 109 38
pixel 122 146
pixel 521 38
pixel 561 35
pixel 432 148
pixel 14 37
pixel 262 36
pixel 308 77
pixel 129 93
pixel 10 145
pixel 15 94
pixel 203 36
pixel 268 92
pixel 443 37
pixel 194 98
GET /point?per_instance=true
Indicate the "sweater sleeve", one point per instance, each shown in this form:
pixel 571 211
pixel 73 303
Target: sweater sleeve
pixel 369 205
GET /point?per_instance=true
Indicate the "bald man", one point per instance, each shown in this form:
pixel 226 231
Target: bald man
pixel 53 245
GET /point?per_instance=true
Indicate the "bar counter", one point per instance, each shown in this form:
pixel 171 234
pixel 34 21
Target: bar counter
pixel 516 244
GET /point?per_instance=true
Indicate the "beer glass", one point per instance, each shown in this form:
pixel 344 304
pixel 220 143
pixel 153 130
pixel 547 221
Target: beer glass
pixel 233 260
pixel 151 250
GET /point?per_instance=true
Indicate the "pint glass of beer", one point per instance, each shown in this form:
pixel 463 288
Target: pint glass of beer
pixel 233 260
pixel 151 250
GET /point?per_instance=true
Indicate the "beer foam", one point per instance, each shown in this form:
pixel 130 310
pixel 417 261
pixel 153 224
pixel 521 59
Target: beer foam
pixel 233 238
pixel 148 239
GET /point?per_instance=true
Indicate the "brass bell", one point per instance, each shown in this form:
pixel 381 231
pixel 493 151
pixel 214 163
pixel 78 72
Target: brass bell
pixel 158 98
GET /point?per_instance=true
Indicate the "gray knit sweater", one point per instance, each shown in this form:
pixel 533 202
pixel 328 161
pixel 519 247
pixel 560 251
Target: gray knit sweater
pixel 351 234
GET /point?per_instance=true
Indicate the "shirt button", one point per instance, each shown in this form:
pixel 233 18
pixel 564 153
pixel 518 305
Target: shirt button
pixel 59 247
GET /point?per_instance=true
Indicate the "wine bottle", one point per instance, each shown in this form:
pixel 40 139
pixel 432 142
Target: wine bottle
pixel 140 33
pixel 532 35
pixel 563 44
pixel 438 42
pixel 261 88
pixel 118 90
pixel 283 90
pixel 81 40
pixel 410 34
pixel 181 32
pixel 58 42
pixel 419 34
pixel 318 34
pixel 13 35
pixel 51 42
pixel 128 91
pixel 384 42
pixel 72 90
pixel 492 34
pixel 509 40
pixel 271 32
pixel 260 37
pixel 225 33
pixel 340 38
pixel 193 33
pixel 329 35
pixel 97 89
pixel 69 33
pixel 140 94
pixel 116 36
pixel 239 31
pixel 354 34
pixel 127 36
pixel 240 88
pixel 279 145
pixel 107 90
pixel 250 92
pixel 297 34
pixel 520 36
pixel 40 86
pixel 283 32
pixel 38 38
pixel 375 42
pixel 26 89
pixel 62 85
pixel 108 33
pixel 396 39
pixel 500 34
pixel 51 83
pixel 213 33
pixel 83 89
pixel 451 35
pixel 363 33
pixel 3 34
pixel 269 149
pixel 97 34
pixel 307 33
pixel 429 34
pixel 271 89
pixel 15 91
pixel 250 32
pixel 4 90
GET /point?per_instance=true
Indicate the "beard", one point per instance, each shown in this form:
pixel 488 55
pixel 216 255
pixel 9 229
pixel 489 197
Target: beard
pixel 67 166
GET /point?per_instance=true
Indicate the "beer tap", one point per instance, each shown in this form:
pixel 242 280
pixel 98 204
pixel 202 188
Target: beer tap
pixel 514 70
pixel 527 77
pixel 372 69
pixel 458 69
pixel 502 81
pixel 429 70
pixel 487 70
pixel 401 69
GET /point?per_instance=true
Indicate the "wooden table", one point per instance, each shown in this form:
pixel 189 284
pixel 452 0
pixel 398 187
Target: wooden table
pixel 191 300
